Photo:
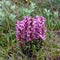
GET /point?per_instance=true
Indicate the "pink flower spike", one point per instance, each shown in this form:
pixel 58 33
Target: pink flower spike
pixel 31 29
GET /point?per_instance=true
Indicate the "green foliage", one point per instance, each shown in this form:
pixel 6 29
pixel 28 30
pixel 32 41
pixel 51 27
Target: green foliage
pixel 32 47
pixel 41 55
pixel 52 21
pixel 23 11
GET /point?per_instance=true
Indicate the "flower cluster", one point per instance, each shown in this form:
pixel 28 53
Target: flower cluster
pixel 31 29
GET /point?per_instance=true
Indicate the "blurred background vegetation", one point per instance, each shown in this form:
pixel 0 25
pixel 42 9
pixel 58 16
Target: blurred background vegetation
pixel 12 10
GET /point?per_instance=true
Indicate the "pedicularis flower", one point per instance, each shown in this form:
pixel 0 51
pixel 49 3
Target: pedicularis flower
pixel 31 29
